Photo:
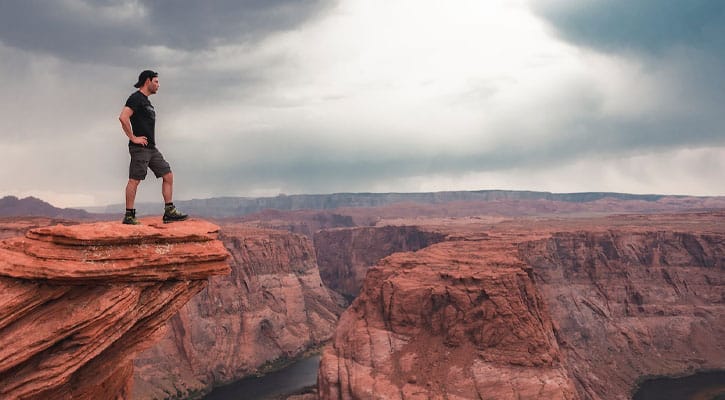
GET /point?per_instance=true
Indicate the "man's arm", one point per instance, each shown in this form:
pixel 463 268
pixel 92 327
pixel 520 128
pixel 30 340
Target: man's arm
pixel 125 119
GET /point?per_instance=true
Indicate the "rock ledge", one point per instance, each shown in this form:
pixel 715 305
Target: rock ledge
pixel 77 303
pixel 109 251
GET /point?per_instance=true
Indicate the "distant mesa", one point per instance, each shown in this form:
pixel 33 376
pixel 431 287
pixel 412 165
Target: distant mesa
pixel 504 202
pixel 11 206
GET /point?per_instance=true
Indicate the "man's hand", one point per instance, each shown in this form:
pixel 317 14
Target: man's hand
pixel 140 140
pixel 125 119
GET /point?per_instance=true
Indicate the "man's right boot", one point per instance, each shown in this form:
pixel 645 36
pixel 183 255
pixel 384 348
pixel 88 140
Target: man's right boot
pixel 130 218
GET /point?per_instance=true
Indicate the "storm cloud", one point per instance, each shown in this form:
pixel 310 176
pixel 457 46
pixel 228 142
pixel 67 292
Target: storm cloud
pixel 647 26
pixel 678 49
pixel 112 31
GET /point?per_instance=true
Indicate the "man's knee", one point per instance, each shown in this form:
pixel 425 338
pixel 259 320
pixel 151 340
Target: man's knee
pixel 168 178
pixel 133 182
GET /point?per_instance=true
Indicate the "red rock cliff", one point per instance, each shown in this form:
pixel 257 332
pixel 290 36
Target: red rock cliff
pixel 272 306
pixel 632 304
pixel 344 255
pixel 457 320
pixel 78 302
pixel 547 308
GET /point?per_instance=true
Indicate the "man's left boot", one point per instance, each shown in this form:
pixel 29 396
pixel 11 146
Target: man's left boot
pixel 171 214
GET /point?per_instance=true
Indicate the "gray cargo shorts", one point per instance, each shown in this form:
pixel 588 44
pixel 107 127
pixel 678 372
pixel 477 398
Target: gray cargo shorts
pixel 143 158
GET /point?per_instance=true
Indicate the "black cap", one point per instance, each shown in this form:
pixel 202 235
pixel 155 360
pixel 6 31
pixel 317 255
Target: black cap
pixel 147 74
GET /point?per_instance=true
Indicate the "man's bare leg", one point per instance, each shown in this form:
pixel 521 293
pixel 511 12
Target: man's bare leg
pixel 167 187
pixel 131 187
pixel 171 214
pixel 130 216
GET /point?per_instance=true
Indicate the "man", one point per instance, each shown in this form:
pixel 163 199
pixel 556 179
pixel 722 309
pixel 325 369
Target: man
pixel 138 119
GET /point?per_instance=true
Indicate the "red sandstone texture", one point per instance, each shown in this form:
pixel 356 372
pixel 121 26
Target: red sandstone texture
pixel 344 255
pixel 633 304
pixel 273 306
pixel 446 322
pixel 77 303
pixel 536 308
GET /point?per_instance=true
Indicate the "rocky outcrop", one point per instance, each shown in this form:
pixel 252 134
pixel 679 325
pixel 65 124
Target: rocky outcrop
pixel 344 255
pixel 632 304
pixel 457 320
pixel 78 302
pixel 272 307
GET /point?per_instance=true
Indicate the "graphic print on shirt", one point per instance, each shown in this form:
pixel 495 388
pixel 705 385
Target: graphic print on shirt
pixel 151 111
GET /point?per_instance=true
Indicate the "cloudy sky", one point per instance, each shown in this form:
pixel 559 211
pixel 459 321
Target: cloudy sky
pixel 262 97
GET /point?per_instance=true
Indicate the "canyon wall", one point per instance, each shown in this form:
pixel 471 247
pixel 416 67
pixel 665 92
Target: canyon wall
pixel 633 304
pixel 448 321
pixel 304 222
pixel 520 313
pixel 272 307
pixel 344 255
pixel 78 302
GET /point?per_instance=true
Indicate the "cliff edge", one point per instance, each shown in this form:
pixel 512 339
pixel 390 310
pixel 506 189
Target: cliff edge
pixel 78 302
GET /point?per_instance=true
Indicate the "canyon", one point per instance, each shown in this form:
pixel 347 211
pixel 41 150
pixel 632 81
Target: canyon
pixel 79 302
pixel 272 307
pixel 575 303
pixel 576 308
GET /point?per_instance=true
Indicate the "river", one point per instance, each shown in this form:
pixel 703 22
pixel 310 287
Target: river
pixel 701 386
pixel 301 374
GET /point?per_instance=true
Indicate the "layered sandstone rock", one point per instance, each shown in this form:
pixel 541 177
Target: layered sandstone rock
pixel 344 255
pixel 626 297
pixel 78 302
pixel 272 307
pixel 457 320
pixel 630 303
pixel 18 226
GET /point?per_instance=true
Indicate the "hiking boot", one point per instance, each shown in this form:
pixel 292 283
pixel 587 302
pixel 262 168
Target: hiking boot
pixel 130 218
pixel 171 214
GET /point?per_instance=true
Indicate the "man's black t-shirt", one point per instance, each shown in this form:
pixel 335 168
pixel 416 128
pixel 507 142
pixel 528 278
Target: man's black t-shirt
pixel 143 119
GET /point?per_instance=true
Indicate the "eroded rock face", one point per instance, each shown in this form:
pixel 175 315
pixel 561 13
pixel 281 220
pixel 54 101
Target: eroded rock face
pixel 78 302
pixel 272 306
pixel 344 255
pixel 567 312
pixel 632 304
pixel 457 320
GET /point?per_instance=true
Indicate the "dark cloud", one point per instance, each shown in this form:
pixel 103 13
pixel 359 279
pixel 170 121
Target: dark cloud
pixel 65 31
pixel 680 45
pixel 648 26
pixel 112 31
pixel 192 25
